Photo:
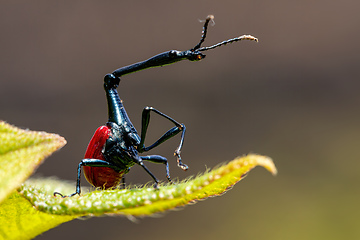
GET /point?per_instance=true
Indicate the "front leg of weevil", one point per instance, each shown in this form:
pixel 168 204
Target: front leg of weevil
pixel 78 189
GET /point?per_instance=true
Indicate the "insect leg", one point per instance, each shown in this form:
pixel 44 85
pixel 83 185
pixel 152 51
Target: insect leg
pixel 123 184
pixel 158 159
pixel 86 162
pixel 179 127
pixel 139 161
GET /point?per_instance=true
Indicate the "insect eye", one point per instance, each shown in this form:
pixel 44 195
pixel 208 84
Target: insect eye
pixel 197 56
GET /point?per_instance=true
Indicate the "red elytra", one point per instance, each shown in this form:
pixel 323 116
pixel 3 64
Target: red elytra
pixel 102 177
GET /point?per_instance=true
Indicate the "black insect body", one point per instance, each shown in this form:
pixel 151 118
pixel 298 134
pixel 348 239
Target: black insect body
pixel 115 147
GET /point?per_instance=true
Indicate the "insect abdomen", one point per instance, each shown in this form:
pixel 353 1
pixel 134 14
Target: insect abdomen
pixel 103 177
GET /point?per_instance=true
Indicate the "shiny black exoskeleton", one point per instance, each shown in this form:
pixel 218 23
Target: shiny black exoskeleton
pixel 115 147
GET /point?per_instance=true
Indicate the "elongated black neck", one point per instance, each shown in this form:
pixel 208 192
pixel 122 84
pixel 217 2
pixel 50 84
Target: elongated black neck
pixel 116 110
pixel 161 59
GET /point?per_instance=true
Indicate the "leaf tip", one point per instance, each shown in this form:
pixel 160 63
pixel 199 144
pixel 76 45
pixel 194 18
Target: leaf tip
pixel 265 162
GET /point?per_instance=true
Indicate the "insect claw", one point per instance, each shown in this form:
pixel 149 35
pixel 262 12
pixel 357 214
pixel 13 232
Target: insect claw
pixel 71 195
pixel 183 166
pixel 56 193
pixel 64 196
pixel 180 164
pixel 168 178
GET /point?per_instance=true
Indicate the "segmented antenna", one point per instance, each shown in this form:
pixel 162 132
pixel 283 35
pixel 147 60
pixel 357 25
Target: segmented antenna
pixel 204 32
pixel 243 37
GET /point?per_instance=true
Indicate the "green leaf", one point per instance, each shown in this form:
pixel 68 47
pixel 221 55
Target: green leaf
pixel 146 200
pixel 20 220
pixel 21 151
pixel 33 209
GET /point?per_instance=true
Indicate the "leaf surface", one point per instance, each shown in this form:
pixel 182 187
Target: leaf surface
pixel 21 151
pixel 20 220
pixel 146 200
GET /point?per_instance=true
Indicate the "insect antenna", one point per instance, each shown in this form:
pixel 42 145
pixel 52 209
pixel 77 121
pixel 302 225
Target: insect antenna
pixel 243 37
pixel 204 32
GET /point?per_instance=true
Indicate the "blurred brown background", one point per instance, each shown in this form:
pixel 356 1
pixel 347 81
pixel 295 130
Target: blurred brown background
pixel 293 96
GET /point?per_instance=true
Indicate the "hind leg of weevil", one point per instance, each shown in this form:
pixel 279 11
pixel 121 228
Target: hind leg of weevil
pixel 86 162
pixel 179 127
pixel 158 159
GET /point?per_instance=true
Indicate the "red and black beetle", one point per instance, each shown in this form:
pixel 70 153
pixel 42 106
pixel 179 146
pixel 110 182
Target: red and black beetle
pixel 115 147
